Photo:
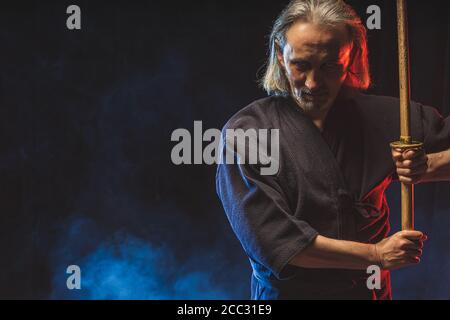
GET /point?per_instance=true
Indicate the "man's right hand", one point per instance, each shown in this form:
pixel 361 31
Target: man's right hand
pixel 402 249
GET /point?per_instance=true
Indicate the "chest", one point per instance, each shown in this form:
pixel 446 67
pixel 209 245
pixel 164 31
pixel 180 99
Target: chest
pixel 331 180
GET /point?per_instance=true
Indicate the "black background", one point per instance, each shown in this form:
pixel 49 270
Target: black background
pixel 85 123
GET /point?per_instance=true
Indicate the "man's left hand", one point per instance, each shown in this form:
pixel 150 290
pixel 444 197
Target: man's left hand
pixel 412 165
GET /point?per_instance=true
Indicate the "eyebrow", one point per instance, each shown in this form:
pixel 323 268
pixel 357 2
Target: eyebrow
pixel 297 60
pixel 303 60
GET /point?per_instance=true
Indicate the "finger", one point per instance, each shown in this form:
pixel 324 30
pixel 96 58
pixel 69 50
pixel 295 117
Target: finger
pixel 412 163
pixel 412 153
pixel 414 252
pixel 407 180
pixel 410 172
pixel 419 243
pixel 396 155
pixel 411 234
pixel 407 172
pixel 412 260
pixel 411 245
pixel 415 179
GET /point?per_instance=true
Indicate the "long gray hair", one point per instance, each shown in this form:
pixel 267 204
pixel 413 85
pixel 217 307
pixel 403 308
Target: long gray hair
pixel 326 12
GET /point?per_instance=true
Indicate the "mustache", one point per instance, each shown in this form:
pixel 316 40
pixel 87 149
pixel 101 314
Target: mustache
pixel 316 92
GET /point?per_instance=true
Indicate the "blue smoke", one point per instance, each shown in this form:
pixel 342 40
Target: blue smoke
pixel 429 279
pixel 124 266
pixel 140 235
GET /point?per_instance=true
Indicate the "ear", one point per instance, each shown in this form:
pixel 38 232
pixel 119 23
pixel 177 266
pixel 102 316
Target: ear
pixel 279 52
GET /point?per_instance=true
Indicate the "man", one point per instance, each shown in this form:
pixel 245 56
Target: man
pixel 312 229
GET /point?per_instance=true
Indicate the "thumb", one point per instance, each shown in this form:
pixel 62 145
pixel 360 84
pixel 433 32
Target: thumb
pixel 412 234
pixel 397 154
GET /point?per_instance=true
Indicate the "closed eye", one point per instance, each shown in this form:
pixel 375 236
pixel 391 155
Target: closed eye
pixel 302 66
pixel 332 66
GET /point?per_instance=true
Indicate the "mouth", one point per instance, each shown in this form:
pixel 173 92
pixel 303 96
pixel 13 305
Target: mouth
pixel 313 97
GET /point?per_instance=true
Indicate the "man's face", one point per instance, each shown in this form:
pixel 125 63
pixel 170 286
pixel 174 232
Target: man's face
pixel 315 59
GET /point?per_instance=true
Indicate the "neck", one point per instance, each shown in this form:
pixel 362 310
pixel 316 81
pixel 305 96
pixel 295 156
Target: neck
pixel 318 116
pixel 319 119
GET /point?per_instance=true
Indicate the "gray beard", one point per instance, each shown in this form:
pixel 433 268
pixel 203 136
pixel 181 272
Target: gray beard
pixel 308 106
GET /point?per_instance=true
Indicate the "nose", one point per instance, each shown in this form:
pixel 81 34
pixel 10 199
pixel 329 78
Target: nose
pixel 313 80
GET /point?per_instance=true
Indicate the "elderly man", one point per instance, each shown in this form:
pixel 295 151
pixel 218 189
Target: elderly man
pixel 312 229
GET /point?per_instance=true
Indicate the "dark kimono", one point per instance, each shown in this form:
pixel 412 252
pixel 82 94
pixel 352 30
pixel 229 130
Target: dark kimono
pixel 330 183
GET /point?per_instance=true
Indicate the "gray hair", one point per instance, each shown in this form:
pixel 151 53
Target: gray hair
pixel 325 12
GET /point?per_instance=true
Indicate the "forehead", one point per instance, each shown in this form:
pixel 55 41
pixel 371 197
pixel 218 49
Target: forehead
pixel 304 38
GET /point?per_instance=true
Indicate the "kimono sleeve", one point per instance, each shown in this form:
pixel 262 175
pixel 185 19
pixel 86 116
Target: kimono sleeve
pixel 436 130
pixel 260 216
